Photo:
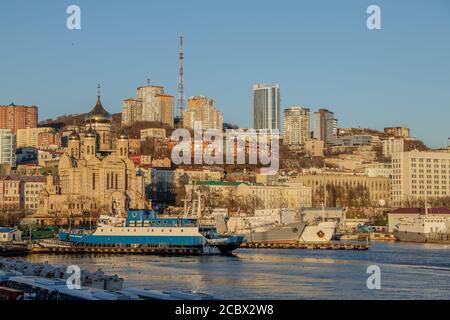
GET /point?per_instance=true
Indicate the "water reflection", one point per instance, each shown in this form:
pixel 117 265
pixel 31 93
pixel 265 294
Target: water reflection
pixel 408 271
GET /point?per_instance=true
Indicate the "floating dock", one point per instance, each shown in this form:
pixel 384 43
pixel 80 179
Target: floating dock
pixel 142 249
pixel 13 250
pixel 309 246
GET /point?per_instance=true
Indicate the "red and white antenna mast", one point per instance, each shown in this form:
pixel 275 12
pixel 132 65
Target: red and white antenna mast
pixel 180 101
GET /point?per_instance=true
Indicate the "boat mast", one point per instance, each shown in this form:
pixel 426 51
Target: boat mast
pixel 199 211
pixel 324 192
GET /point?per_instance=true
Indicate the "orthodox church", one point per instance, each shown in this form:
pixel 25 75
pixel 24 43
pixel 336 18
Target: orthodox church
pixel 93 176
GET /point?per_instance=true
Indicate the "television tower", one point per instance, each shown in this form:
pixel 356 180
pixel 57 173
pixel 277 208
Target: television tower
pixel 180 100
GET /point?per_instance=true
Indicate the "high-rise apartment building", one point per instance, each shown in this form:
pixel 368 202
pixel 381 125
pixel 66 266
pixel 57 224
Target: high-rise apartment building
pixel 325 126
pixel 420 175
pixel 7 147
pixel 151 104
pixel 266 106
pixel 166 108
pixel 18 117
pixel 203 109
pixel 297 124
pixel 29 137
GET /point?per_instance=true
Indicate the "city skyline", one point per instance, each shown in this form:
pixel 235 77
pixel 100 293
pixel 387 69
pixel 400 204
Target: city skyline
pixel 389 77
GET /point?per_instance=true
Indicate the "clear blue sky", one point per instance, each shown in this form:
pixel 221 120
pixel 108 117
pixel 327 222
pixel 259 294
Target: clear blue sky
pixel 320 52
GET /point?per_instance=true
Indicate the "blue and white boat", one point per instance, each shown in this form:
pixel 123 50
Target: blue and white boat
pixel 146 228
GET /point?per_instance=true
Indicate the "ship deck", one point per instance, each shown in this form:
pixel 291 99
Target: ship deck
pixel 305 245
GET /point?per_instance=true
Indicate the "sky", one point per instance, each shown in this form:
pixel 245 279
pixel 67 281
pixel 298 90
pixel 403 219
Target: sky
pixel 319 51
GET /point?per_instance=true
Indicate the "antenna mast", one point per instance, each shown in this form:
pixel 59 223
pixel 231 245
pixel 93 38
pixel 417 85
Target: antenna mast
pixel 180 101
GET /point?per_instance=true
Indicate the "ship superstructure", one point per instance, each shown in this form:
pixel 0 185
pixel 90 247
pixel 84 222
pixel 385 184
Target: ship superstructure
pixel 147 228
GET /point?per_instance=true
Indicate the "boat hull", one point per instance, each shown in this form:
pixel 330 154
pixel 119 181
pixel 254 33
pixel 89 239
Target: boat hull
pixel 179 241
pixel 227 245
pixel 290 232
pixel 422 237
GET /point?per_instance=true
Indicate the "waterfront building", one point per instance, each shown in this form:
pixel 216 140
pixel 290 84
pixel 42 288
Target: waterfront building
pixel 29 137
pixel 325 126
pixel 286 195
pixel 203 109
pixel 379 188
pixel 297 126
pixel 151 104
pixel 10 234
pixel 18 117
pixel 420 175
pixel 7 147
pixel 91 180
pixel 20 192
pixel 266 106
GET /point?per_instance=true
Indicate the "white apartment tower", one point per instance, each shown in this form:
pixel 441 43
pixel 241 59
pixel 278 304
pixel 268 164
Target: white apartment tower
pixel 7 147
pixel 266 106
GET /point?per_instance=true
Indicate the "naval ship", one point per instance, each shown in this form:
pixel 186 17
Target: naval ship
pixel 147 228
pixel 278 229
pixel 424 229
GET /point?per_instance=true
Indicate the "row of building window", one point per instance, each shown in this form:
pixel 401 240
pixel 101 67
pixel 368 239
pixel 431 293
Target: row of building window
pixel 148 230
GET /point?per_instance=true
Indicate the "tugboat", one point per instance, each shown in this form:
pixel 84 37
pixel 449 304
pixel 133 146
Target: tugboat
pixel 146 228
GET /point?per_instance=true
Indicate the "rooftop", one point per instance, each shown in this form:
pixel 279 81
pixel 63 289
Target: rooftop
pixel 24 178
pixel 98 113
pixel 421 211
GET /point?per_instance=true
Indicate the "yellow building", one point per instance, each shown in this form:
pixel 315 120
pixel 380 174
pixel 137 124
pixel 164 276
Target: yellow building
pixel 29 137
pixel 20 192
pixel 151 104
pixel 296 128
pixel 379 188
pixel 166 108
pixel 287 195
pixel 420 175
pixel 203 109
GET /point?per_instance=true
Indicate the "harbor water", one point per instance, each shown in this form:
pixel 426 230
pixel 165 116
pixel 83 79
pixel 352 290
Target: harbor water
pixel 408 271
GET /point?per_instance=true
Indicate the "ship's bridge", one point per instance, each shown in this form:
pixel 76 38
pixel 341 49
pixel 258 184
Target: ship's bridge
pixel 145 218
